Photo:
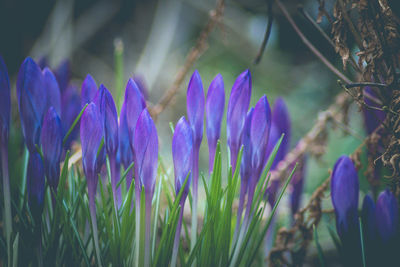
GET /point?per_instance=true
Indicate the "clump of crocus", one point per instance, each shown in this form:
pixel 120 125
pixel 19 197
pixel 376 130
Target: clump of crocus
pixel 132 107
pixel 236 114
pixel 145 148
pixel 51 140
pixel 344 194
pixel 195 110
pixel 93 156
pixel 215 105
pixel 5 111
pixel 182 154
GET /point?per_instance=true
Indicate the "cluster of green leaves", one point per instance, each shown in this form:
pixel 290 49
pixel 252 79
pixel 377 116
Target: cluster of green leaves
pixel 62 236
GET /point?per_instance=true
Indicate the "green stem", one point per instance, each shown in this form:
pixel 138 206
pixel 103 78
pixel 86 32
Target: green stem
pixel 92 208
pixel 7 199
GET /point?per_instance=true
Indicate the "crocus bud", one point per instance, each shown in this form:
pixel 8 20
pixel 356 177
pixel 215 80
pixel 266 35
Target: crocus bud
pixel 70 108
pixel 5 106
pixel 145 146
pixel 214 112
pixel 344 194
pixel 52 89
pixel 124 144
pixel 35 187
pixel 110 123
pixel 259 134
pixel 387 216
pixel 245 167
pixel 91 130
pixel 280 125
pixel 51 140
pixel 195 107
pixel 134 105
pixel 237 109
pixel 32 101
pixel 63 74
pixel 182 154
pixel 88 91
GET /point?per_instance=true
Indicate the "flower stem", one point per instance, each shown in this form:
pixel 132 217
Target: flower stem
pixel 242 196
pixel 115 176
pixel 147 251
pixel 195 197
pixel 92 209
pixel 7 198
pixel 177 237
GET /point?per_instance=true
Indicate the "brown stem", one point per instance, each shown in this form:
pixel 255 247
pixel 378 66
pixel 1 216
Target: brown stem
pixel 310 45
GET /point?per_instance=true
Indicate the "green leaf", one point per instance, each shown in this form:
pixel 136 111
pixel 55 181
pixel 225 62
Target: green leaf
pixel 74 124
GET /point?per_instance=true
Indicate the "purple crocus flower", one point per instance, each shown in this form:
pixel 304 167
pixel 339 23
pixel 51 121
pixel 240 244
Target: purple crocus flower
pixel 245 167
pixel 93 155
pixel 182 154
pixel 52 89
pixel 236 114
pixel 280 125
pixel 215 105
pixel 32 101
pixel 51 140
pixel 195 111
pixel 344 194
pixel 111 141
pixel 145 146
pixel 88 91
pixel 35 187
pixel 133 105
pixel 387 224
pixel 259 133
pixel 70 108
pixel 63 74
pixel 387 216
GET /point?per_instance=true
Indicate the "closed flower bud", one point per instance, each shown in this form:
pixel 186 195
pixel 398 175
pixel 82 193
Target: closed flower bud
pixel 51 140
pixel 195 107
pixel 182 154
pixel 236 114
pixel 134 105
pixel 146 153
pixel 387 216
pixel 214 112
pixel 344 194
pixel 110 123
pixel 32 101
pixel 91 130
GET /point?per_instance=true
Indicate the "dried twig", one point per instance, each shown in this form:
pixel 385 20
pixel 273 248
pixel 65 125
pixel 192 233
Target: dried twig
pixel 267 33
pixel 310 45
pixel 194 54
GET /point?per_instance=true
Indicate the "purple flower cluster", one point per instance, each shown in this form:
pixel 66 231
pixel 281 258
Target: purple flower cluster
pixel 379 221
